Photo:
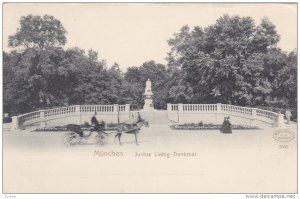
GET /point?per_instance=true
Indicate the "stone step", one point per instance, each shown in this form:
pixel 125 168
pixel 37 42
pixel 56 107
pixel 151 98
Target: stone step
pixel 154 116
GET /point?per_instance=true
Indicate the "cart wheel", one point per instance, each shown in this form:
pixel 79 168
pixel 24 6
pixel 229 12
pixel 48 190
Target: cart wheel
pixel 67 141
pixel 77 139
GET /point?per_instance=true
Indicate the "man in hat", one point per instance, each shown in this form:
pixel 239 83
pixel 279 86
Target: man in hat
pixel 96 126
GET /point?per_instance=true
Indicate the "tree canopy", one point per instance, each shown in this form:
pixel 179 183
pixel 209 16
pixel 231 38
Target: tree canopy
pixel 39 33
pixel 233 61
pixel 44 75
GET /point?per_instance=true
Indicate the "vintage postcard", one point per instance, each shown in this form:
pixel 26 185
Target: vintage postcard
pixel 150 98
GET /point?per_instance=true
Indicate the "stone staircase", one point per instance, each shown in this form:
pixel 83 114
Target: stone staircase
pixel 155 116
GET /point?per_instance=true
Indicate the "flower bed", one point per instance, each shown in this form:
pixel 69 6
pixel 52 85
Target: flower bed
pixel 201 126
pixel 84 127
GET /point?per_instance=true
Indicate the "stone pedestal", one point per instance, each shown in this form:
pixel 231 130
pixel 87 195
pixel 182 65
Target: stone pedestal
pixel 14 123
pixel 280 121
pixel 148 104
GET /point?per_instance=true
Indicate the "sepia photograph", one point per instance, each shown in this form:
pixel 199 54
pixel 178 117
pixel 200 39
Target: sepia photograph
pixel 110 98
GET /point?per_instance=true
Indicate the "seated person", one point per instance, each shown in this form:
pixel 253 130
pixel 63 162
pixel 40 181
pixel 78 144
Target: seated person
pixel 96 126
pixel 226 127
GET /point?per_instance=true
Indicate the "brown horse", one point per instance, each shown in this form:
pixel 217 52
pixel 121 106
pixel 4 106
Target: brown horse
pixel 130 129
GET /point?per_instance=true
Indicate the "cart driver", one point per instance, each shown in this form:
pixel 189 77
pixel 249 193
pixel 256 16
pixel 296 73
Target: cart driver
pixel 95 123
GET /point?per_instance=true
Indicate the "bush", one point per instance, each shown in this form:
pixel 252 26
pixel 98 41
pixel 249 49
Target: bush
pixel 200 123
pixel 86 125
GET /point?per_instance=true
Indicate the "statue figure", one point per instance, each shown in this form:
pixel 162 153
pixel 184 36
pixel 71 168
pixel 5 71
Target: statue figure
pixel 148 86
pixel 148 96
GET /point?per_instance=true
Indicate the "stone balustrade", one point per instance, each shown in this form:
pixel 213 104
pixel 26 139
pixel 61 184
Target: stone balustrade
pixel 215 113
pixel 181 113
pixel 77 114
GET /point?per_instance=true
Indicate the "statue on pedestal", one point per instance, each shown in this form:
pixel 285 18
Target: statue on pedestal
pixel 148 96
pixel 148 89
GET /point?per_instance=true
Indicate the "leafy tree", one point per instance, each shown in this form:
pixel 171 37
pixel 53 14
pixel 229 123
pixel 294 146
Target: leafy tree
pixel 43 75
pixel 287 82
pixel 34 65
pixel 8 82
pixel 232 61
pixel 39 33
pixel 223 62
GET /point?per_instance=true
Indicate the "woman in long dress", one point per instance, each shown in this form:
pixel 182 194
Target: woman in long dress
pixel 226 127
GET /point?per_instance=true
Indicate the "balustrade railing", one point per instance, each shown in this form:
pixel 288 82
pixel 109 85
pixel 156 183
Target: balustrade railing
pixel 44 115
pixel 266 114
pixel 59 111
pixel 32 116
pixel 173 109
pixel 96 108
pixel 122 108
pixel 199 107
pixel 236 109
pixel 245 112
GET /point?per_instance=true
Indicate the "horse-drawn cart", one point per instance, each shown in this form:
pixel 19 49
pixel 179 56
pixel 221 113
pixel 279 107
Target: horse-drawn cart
pixel 97 134
pixel 77 135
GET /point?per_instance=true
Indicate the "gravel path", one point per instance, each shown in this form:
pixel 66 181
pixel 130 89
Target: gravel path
pixel 180 161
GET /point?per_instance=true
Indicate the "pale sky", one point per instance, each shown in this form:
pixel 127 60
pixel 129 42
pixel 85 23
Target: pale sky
pixel 132 33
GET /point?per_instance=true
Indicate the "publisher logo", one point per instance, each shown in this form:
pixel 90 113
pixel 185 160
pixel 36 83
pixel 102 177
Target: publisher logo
pixel 284 135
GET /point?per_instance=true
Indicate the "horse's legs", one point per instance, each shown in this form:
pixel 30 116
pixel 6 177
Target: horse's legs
pixel 116 135
pixel 81 133
pixel 136 140
pixel 119 137
pixel 91 131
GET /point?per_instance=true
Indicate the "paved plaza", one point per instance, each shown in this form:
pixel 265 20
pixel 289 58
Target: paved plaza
pixel 245 161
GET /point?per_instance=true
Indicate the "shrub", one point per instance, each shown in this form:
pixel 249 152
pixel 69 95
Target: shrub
pixel 200 123
pixel 86 125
